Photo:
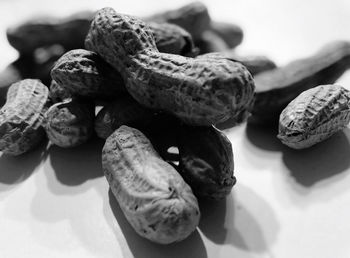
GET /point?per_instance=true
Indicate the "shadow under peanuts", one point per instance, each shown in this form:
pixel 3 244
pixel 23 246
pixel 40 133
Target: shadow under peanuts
pixel 191 247
pixel 16 169
pixel 264 137
pixel 321 161
pixel 74 166
pixel 250 221
pixel 212 222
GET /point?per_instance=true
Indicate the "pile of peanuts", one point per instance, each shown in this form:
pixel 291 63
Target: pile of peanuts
pixel 127 79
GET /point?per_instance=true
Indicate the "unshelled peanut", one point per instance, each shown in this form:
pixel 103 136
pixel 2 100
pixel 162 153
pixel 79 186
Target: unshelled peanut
pixel 315 115
pixel 154 198
pixel 197 90
pixel 21 117
pixel 69 32
pixel 276 88
pixel 84 73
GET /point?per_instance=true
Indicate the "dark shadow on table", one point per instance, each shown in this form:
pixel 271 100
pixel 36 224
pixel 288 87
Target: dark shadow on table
pixel 16 169
pixel 321 161
pixel 213 215
pixel 74 166
pixel 191 247
pixel 264 137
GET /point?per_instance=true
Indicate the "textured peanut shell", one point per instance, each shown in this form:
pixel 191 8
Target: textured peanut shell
pixel 21 117
pixel 69 123
pixel 69 32
pixel 154 198
pixel 276 88
pixel 193 17
pixel 315 115
pixel 197 90
pixel 83 73
pixel 206 161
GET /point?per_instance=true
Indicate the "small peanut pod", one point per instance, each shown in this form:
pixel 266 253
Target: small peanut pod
pixel 206 161
pixel 69 123
pixel 315 115
pixel 197 90
pixel 172 39
pixel 193 17
pixel 276 88
pixel 127 111
pixel 68 32
pixel 232 34
pixel 154 198
pixel 84 73
pixel 21 117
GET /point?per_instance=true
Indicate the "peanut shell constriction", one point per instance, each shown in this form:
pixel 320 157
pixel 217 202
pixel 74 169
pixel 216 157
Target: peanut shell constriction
pixel 197 90
pixel 315 115
pixel 154 198
pixel 21 117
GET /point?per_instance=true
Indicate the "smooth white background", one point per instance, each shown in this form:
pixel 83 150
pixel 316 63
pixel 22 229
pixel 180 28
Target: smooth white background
pixel 55 202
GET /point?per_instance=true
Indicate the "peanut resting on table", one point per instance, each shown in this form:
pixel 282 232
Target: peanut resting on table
pixel 21 117
pixel 314 116
pixel 277 87
pixel 154 198
pixel 197 90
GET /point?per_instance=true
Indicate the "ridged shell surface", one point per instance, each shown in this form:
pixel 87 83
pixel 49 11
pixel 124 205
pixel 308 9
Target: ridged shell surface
pixel 197 90
pixel 154 198
pixel 314 116
pixel 21 117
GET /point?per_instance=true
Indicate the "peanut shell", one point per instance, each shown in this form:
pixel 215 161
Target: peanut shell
pixel 197 90
pixel 315 115
pixel 154 198
pixel 21 117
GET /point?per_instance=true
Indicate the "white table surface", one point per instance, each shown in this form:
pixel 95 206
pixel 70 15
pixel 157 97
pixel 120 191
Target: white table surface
pixel 55 202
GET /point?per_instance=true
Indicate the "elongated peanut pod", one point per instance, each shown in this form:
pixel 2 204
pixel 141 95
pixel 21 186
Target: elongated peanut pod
pixel 154 198
pixel 21 117
pixel 197 90
pixel 277 87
